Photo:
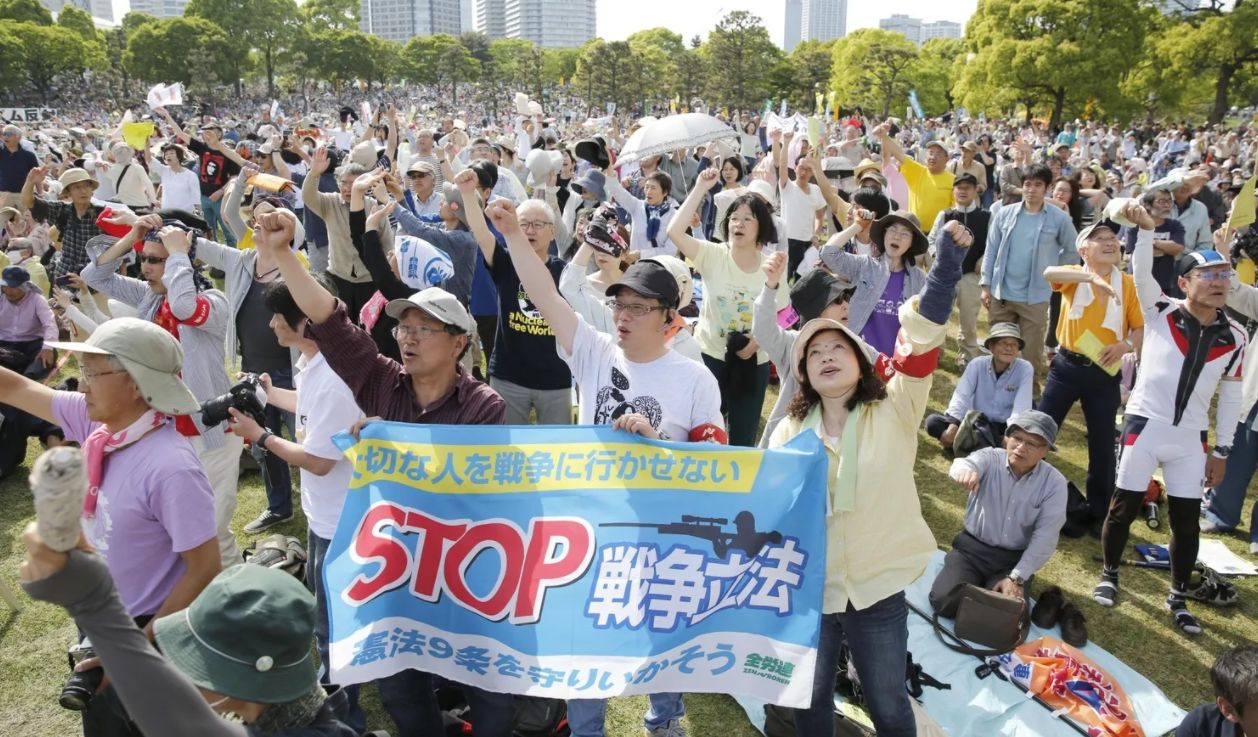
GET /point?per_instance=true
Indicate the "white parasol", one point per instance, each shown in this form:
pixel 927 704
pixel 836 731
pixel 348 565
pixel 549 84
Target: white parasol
pixel 673 133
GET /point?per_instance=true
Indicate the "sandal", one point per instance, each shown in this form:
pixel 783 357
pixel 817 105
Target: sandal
pixel 1214 589
pixel 1182 619
pixel 1105 592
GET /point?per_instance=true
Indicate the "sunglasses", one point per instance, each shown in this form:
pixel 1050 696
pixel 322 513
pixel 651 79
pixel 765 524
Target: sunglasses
pixel 154 260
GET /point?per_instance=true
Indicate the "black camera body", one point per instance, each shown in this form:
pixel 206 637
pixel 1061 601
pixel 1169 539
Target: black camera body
pixel 247 397
pixel 79 688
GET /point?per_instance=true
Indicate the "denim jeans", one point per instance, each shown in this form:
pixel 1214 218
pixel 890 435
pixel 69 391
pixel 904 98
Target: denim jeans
pixel 586 717
pixel 316 550
pixel 213 212
pixel 1070 379
pixel 879 641
pixel 411 701
pixel 1227 499
pixel 277 477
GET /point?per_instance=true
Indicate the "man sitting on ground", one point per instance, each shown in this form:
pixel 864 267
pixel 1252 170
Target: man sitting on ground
pixel 996 386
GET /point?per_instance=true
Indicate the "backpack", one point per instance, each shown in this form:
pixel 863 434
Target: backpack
pixel 535 716
pixel 974 432
pixel 278 551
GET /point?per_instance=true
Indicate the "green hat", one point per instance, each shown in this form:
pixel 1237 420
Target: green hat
pixel 247 636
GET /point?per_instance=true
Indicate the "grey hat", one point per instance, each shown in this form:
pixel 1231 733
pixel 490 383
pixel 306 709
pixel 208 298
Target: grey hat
pixel 1036 423
pixel 455 198
pixel 1004 330
pixel 436 302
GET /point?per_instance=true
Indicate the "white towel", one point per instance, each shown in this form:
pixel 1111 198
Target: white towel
pixel 1084 294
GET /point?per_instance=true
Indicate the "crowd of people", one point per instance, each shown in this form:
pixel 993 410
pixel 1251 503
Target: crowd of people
pixel 423 265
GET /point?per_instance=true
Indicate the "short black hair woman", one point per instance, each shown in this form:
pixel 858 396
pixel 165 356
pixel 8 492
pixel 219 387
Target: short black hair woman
pixel 866 410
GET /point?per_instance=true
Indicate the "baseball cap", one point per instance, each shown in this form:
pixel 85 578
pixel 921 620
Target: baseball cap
pixel 1191 260
pixel 1087 232
pixel 150 355
pixel 1036 423
pixel 939 145
pixel 436 302
pixel 650 279
pixel 421 167
pixel 16 277
pixel 965 178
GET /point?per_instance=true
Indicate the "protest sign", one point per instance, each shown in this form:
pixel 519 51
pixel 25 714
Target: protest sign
pixel 579 562
pixel 27 114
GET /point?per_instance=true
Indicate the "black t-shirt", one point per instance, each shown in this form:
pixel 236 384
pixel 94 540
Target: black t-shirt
pixel 260 350
pixel 524 349
pixel 1207 721
pixel 1163 265
pixel 214 169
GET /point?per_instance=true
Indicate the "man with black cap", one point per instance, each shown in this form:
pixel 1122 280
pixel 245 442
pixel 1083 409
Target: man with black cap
pixel 1015 509
pixel 217 164
pixel 995 386
pixel 434 330
pixel 967 210
pixel 1100 322
pixel 632 381
pixel 1190 348
pixel 26 320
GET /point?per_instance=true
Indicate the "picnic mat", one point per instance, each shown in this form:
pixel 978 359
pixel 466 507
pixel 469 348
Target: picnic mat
pixel 991 706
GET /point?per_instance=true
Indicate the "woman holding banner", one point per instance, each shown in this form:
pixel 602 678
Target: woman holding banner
pixel 865 409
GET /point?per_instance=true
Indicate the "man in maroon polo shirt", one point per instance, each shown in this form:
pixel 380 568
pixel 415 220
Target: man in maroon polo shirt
pixel 427 387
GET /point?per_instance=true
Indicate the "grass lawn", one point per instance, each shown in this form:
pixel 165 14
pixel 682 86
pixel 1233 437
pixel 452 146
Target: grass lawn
pixel 33 642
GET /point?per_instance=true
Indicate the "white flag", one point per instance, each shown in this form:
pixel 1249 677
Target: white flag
pixel 162 95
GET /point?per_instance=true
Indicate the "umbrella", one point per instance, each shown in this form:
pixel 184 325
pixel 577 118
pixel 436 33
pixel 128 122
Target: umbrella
pixel 672 133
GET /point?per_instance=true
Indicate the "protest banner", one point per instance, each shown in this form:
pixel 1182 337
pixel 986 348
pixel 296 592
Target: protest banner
pixel 579 562
pixel 26 114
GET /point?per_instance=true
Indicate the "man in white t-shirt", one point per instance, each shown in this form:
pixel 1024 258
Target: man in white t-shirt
pixel 324 406
pixel 802 202
pixel 630 380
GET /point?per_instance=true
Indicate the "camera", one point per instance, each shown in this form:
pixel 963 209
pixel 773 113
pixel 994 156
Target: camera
pixel 79 688
pixel 247 396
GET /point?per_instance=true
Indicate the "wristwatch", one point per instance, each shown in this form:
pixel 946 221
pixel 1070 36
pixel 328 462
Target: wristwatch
pixel 1019 580
pixel 261 443
pixel 1221 451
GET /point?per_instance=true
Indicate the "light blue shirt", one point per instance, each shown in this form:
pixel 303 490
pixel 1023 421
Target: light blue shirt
pixel 1020 265
pixel 1052 243
pixel 998 397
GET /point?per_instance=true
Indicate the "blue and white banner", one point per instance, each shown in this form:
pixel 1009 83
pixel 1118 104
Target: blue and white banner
pixel 579 562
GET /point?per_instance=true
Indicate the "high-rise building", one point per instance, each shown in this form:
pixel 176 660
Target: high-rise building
pixel 910 28
pixel 467 16
pixel 491 18
pixel 939 29
pixel 400 20
pixel 102 9
pixel 159 8
pixel 822 20
pixel 790 29
pixel 551 23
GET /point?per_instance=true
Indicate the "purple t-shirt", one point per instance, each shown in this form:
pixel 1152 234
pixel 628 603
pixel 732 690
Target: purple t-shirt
pixel 154 503
pixel 884 323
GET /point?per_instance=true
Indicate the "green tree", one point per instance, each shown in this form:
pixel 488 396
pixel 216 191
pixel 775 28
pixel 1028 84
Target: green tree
pixel 935 72
pixel 1222 42
pixel 49 52
pixel 872 68
pixel 229 16
pixel 805 72
pixel 328 15
pixel 271 32
pixel 439 59
pixel 79 21
pixel 25 11
pixel 660 50
pixel 740 48
pixel 1054 54
pixel 191 50
pixel 134 20
pixel 609 72
pixel 12 56
pixel 691 72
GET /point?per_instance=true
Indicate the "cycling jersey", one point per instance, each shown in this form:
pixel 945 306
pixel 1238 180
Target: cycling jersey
pixel 1182 361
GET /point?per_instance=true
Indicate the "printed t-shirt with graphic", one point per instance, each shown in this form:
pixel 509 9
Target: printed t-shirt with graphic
pixel 884 322
pixel 524 349
pixel 729 294
pixel 154 503
pixel 675 394
pixel 214 169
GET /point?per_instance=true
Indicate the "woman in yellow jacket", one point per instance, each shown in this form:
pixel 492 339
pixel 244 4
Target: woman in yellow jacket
pixel 866 409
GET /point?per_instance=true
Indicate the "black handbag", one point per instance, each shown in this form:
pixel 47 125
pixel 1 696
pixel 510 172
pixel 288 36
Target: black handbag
pixel 997 622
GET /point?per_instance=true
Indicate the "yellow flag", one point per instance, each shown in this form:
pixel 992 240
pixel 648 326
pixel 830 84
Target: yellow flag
pixel 820 105
pixel 1243 206
pixel 137 134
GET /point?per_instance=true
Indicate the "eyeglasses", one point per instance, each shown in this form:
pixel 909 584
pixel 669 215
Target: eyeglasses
pixel 419 331
pixel 534 225
pixel 1033 443
pixel 634 310
pixel 154 260
pixel 1215 274
pixel 87 378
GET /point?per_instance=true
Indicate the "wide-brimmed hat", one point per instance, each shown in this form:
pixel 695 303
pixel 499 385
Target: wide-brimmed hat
pixel 74 175
pixel 817 290
pixel 1004 330
pixel 150 355
pixel 436 302
pixel 540 163
pixel 591 181
pixel 247 635
pixel 593 150
pixel 1036 423
pixel 817 325
pixel 455 198
pixel 879 229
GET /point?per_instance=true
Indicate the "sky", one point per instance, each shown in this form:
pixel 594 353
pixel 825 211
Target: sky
pixel 617 19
